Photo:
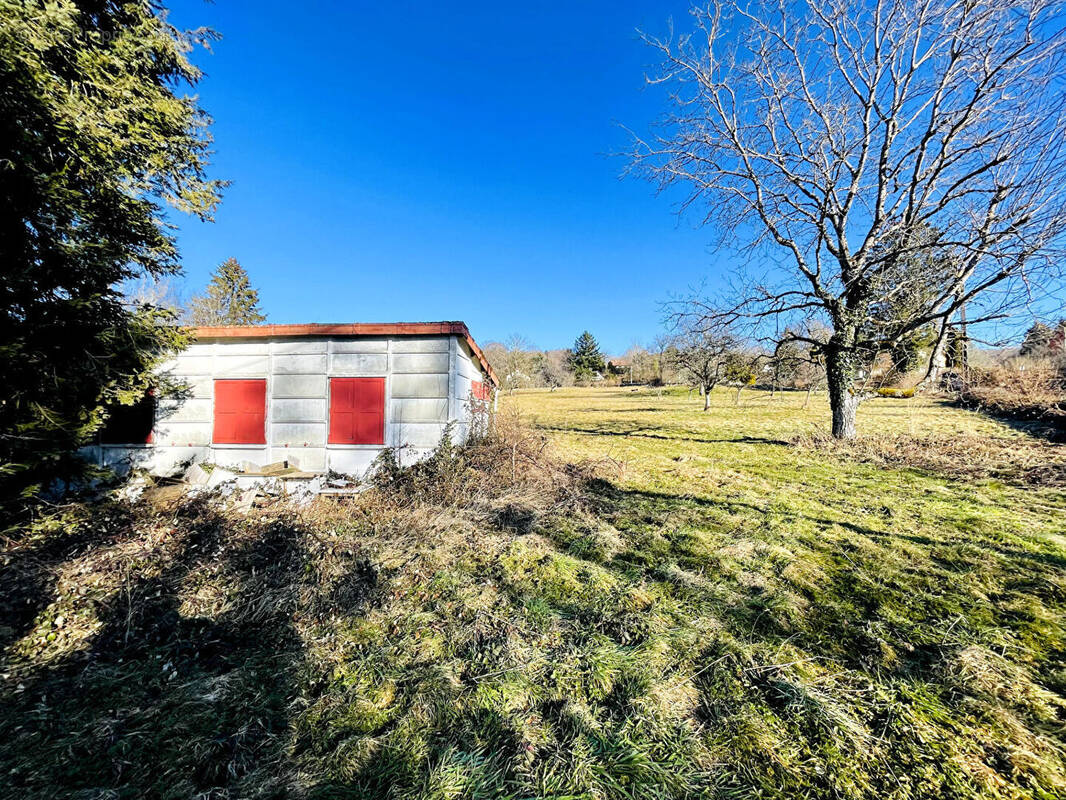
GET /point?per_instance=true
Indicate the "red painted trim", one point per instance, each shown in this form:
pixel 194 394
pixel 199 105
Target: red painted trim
pixel 349 329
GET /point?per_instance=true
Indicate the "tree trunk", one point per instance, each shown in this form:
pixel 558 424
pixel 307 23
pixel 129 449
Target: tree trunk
pixel 937 359
pixel 736 400
pixel 706 398
pixel 843 401
pixel 807 399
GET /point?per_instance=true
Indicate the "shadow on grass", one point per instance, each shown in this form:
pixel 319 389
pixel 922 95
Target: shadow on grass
pixel 645 433
pixel 876 604
pixel 619 499
pixel 164 699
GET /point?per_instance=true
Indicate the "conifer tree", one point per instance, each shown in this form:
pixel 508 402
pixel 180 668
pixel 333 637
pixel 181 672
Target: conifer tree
pixel 585 359
pixel 229 299
pixel 1037 339
pixel 97 135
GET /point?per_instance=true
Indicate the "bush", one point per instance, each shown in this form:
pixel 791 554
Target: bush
pixel 1022 388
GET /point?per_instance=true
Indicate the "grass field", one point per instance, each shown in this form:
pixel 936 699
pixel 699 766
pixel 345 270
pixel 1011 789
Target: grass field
pixel 717 604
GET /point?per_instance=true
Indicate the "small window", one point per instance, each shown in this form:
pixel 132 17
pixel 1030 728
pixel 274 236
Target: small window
pixel 357 411
pixel 240 412
pixel 130 424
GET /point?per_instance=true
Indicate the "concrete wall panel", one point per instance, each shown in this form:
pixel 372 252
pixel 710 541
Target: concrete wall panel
pixel 415 385
pixel 298 433
pixel 181 434
pixel 359 345
pixel 257 347
pixel 189 365
pixel 408 410
pixel 352 364
pixel 300 365
pixel 351 462
pixel 425 435
pixel 236 456
pixel 238 366
pixel 311 459
pixel 299 347
pixel 471 372
pixel 171 410
pixel 298 386
pixel 411 344
pixel 420 362
pixel 298 410
pixel 199 388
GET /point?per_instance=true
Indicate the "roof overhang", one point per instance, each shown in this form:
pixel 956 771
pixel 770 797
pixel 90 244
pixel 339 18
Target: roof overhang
pixel 349 329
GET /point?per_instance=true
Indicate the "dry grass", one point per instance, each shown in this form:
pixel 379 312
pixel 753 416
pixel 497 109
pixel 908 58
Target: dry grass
pixel 1024 390
pixel 1025 461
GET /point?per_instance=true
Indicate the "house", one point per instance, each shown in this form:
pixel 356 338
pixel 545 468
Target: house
pixel 322 396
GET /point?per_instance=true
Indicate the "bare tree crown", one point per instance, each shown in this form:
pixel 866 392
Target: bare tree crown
pixel 858 135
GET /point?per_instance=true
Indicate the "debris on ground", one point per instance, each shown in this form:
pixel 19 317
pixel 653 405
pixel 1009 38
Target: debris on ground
pixel 246 486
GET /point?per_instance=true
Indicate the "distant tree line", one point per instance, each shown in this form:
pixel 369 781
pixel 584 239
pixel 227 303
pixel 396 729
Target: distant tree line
pixel 520 365
pixel 689 356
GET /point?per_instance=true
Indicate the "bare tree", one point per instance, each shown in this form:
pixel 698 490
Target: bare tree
pixel 641 365
pixel 853 136
pixel 513 361
pixel 660 346
pixel 704 356
pixel 811 372
pixel 155 292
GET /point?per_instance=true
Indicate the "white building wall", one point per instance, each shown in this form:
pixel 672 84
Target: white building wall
pixel 427 384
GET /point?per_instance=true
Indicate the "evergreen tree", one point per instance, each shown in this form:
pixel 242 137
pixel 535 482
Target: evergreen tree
pixel 585 359
pixel 96 136
pixel 1037 340
pixel 229 299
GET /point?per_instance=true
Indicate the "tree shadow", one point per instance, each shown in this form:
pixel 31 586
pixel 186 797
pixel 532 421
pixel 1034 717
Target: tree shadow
pixel 873 608
pixel 1035 421
pixel 646 433
pixel 667 503
pixel 178 691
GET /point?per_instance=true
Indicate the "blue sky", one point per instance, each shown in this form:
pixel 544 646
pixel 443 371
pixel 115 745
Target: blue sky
pixel 406 161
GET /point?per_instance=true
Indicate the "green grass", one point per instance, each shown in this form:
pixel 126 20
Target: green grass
pixel 710 607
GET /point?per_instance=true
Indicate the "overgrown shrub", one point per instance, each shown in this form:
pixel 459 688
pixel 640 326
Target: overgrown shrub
pixel 1022 388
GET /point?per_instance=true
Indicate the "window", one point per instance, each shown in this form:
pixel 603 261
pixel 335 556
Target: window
pixel 357 411
pixel 240 412
pixel 130 424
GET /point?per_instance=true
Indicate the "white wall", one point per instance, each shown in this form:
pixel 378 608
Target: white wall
pixel 427 383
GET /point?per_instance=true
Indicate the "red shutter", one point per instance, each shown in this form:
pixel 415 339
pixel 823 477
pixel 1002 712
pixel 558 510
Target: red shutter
pixel 357 411
pixel 240 412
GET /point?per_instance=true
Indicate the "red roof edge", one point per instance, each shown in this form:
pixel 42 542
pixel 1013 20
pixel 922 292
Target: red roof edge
pixel 349 329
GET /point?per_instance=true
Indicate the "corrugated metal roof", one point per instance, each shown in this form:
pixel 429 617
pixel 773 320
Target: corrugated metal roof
pixel 349 329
